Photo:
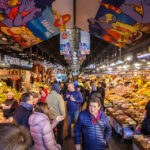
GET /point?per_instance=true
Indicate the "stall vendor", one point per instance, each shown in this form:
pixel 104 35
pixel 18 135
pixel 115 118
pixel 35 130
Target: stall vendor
pixel 9 106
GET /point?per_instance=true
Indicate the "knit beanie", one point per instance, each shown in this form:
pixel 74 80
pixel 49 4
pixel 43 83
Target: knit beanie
pixel 56 87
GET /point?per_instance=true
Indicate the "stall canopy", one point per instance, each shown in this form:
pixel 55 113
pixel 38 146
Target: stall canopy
pixel 122 23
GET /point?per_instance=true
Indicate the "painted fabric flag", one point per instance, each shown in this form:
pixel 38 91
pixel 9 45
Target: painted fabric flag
pixel 28 22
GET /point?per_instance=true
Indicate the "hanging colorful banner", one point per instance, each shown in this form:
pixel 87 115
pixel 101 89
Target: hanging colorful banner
pixel 120 22
pixel 85 42
pixel 64 43
pixel 29 22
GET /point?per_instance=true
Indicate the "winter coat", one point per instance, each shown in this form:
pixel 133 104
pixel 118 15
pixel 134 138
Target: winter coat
pixel 92 135
pixel 56 104
pixel 22 114
pixel 146 126
pixel 74 106
pixel 44 98
pixel 42 132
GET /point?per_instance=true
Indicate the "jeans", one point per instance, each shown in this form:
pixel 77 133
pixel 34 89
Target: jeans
pixel 71 116
pixel 59 136
pixel 32 148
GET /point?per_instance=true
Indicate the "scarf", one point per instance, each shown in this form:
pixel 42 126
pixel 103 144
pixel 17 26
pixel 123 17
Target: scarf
pixel 97 118
pixel 27 106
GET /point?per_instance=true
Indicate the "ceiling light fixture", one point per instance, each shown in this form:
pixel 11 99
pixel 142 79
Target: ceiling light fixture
pixel 137 64
pixel 129 58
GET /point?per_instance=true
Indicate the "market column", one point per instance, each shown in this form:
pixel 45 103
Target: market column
pixel 27 80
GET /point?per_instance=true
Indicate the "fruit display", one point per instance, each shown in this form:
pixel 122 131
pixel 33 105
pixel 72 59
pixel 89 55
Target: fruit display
pixel 4 89
pixel 36 85
pixel 145 90
pixel 2 119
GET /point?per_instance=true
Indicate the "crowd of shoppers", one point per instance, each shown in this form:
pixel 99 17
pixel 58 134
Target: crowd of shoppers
pixel 45 119
pixel 40 126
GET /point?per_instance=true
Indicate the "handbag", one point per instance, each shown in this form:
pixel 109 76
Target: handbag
pixel 107 144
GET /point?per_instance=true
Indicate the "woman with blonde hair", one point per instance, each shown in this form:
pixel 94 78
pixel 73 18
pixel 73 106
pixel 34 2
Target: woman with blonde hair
pixel 42 130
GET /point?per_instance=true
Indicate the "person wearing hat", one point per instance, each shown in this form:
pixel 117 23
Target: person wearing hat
pixel 9 106
pixel 57 108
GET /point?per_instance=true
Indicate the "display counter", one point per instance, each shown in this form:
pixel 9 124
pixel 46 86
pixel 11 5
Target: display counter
pixel 126 111
pixel 132 104
pixel 121 123
pixel 141 143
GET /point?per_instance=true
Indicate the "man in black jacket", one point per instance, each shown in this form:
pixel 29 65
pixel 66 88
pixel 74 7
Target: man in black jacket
pixel 24 111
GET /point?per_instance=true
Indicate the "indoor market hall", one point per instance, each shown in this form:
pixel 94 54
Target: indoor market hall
pixel 74 74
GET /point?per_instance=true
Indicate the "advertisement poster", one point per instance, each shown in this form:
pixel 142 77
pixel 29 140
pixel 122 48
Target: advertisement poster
pixel 119 22
pixel 30 22
pixel 84 46
pixel 85 42
pixel 65 46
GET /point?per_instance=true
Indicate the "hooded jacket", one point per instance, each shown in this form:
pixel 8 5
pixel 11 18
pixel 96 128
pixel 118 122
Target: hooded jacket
pixel 43 98
pixel 74 106
pixel 92 135
pixel 42 132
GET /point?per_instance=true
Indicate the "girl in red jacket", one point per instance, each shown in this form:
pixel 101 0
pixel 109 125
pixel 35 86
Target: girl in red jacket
pixel 44 94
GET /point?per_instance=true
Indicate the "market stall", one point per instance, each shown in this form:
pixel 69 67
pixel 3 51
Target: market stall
pixel 126 107
pixel 141 142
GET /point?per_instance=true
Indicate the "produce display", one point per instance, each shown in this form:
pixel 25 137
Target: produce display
pixel 121 117
pixel 132 104
pixel 36 85
pixel 2 119
pixel 4 89
pixel 145 90
pixel 142 142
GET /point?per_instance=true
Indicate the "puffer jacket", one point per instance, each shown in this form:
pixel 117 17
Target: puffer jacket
pixel 74 106
pixel 145 129
pixel 42 132
pixel 92 135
